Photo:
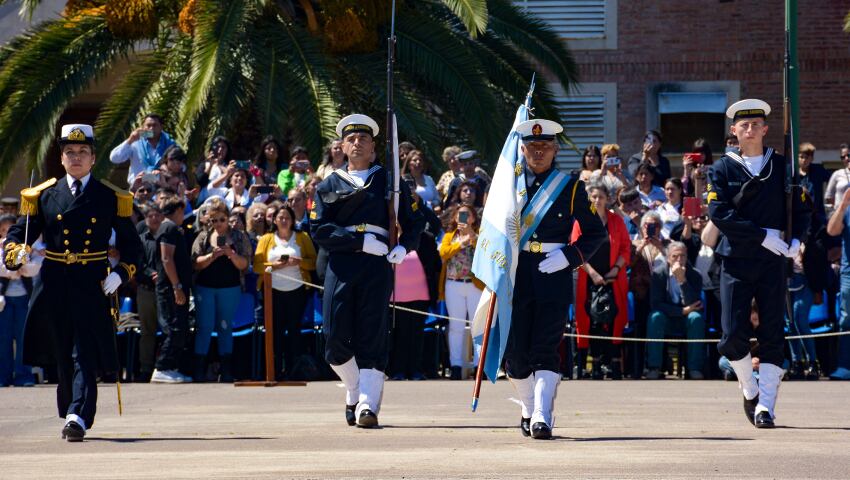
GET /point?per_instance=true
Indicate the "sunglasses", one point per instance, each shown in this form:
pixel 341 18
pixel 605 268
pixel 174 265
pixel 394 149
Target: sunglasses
pixel 845 157
pixel 143 190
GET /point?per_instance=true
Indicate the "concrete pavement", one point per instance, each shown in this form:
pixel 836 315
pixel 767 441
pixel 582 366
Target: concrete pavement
pixel 625 429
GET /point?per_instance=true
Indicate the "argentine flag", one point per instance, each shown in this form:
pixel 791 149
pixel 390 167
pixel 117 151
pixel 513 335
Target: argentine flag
pixel 497 250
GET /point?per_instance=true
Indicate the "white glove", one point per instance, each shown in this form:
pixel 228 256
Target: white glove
pixel 554 261
pixel 2 302
pixel 397 255
pixel 773 243
pixel 794 249
pixel 373 246
pixel 111 283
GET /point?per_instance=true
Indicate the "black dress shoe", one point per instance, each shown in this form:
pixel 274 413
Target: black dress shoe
pixel 367 419
pixel 456 373
pixel 750 409
pixel 73 432
pixel 764 420
pixel 350 418
pixel 525 426
pixel 541 431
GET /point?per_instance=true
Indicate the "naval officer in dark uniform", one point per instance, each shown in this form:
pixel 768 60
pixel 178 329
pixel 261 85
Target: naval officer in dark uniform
pixel 69 322
pixel 350 220
pixel 544 274
pixel 746 200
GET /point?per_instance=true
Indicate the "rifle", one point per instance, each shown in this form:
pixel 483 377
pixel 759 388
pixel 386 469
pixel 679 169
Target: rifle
pixel 392 152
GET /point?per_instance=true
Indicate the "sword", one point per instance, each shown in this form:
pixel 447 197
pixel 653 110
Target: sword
pixel 22 253
pixel 115 311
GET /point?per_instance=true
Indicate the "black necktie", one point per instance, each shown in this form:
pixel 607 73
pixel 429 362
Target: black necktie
pixel 78 188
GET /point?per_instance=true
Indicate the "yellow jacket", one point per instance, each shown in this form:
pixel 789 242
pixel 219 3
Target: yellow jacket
pixel 449 249
pixel 266 243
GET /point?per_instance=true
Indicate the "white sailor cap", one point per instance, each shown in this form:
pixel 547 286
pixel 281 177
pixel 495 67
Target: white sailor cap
pixel 749 108
pixel 539 130
pixel 466 155
pixel 357 123
pixel 76 133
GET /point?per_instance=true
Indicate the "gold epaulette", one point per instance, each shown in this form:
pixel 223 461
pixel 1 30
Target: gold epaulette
pixel 125 199
pixel 29 197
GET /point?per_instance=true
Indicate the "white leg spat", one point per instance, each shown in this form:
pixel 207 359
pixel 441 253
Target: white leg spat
pixel 744 371
pixel 525 390
pixel 371 390
pixel 545 390
pixel 770 377
pixel 350 376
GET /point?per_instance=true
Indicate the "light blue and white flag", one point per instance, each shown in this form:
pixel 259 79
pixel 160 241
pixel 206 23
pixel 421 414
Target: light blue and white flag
pixel 497 251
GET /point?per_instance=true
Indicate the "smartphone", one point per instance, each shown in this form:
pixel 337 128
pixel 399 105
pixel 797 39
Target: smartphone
pixel 462 217
pixel 691 207
pixel 284 258
pixel 694 159
pixel 264 189
pixel 150 178
pixel 221 241
pixel 243 164
pixel 651 229
pixel 147 134
pixel 614 161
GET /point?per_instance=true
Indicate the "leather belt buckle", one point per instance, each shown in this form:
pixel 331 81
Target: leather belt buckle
pixel 535 247
pixel 360 228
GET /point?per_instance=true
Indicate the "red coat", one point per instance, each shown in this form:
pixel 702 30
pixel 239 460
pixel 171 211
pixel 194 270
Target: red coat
pixel 618 236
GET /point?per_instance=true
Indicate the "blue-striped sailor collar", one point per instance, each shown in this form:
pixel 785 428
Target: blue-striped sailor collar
pixel 768 152
pixel 342 172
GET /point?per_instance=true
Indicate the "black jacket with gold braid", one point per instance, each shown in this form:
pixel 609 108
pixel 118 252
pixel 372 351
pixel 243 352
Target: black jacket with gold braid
pixel 69 299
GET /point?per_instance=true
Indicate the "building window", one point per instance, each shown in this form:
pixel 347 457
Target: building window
pixel 685 111
pixel 585 24
pixel 589 118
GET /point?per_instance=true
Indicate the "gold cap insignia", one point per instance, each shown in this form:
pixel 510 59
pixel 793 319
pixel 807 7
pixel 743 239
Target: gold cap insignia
pixel 77 135
pixel 536 129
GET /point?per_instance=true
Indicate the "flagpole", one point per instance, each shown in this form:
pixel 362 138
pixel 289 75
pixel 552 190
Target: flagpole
pixel 479 372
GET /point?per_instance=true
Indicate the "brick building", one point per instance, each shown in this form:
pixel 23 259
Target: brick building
pixel 675 66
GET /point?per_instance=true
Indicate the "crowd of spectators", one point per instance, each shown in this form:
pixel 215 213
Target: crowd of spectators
pixel 212 226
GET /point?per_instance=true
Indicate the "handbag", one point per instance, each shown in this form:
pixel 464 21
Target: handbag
pixel 601 308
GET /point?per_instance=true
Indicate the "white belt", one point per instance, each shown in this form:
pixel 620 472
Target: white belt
pixel 367 228
pixel 539 247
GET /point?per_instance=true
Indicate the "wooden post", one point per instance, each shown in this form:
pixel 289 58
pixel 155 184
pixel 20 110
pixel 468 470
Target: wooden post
pixel 268 321
pixel 479 372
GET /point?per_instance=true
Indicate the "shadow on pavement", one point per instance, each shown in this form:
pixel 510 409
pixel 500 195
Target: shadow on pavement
pixel 171 439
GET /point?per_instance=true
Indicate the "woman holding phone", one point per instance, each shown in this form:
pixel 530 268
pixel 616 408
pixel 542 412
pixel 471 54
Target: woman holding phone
pixel 606 267
pixel 671 210
pixel 291 256
pixel 220 256
pixel 458 285
pixel 239 195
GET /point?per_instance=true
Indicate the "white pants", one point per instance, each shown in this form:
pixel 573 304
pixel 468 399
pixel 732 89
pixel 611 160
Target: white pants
pixel 461 301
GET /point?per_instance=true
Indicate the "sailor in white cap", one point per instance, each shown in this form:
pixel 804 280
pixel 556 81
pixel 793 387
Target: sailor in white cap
pixel 69 322
pixel 542 293
pixel 350 220
pixel 746 200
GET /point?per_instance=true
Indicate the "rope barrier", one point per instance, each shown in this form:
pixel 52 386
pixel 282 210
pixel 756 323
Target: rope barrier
pixel 580 335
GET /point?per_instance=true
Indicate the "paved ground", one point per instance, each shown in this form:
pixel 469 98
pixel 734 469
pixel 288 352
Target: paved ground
pixel 627 429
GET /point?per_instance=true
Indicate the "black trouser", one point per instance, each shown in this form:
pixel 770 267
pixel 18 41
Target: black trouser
pixel 406 353
pixel 540 305
pixel 174 323
pixel 354 306
pixel 287 313
pixel 76 392
pixel 742 280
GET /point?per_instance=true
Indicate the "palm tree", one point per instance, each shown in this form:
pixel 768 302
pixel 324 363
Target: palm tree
pixel 286 67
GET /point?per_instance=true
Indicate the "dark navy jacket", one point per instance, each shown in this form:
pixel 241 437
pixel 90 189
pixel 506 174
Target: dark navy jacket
pixel 742 225
pixel 332 212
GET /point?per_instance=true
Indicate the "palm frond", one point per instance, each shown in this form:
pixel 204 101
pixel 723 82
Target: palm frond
pixel 269 98
pixel 533 37
pixel 42 93
pixel 429 51
pixel 310 92
pixel 218 26
pixel 166 94
pixel 473 14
